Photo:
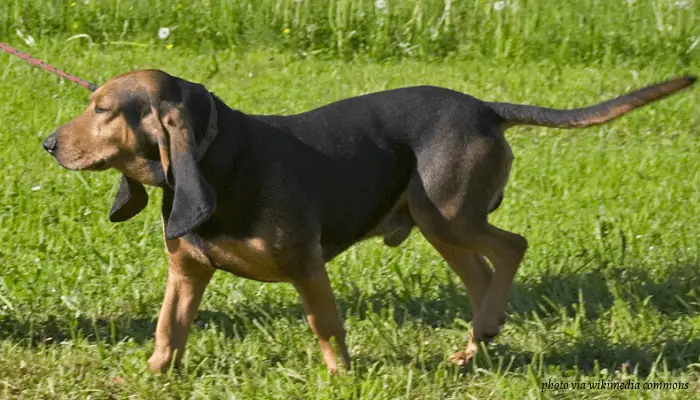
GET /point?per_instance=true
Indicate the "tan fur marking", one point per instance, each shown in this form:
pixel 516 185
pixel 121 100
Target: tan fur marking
pixel 250 258
pixel 611 114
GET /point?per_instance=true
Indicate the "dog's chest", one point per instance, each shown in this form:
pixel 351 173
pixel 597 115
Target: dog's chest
pixel 249 258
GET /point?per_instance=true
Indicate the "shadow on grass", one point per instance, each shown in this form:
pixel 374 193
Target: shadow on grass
pixel 598 354
pixel 670 297
pixel 57 329
pixel 593 355
pixel 674 297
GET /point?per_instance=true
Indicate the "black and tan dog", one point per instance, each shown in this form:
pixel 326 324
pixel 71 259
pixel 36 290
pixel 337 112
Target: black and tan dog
pixel 273 198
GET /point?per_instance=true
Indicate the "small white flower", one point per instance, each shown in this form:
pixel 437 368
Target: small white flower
pixel 499 5
pixel 69 302
pixel 380 4
pixel 4 307
pixel 29 40
pixel 163 33
pixel 35 188
pixel 683 4
pixel 250 74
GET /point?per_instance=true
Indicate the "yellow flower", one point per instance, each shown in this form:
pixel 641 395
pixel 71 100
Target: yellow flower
pixel 286 31
pixel 169 46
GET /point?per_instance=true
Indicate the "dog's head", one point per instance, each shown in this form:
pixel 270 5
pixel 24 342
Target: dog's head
pixel 146 124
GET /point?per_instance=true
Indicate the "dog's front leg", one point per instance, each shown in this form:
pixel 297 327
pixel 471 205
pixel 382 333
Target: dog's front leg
pixel 322 314
pixel 187 279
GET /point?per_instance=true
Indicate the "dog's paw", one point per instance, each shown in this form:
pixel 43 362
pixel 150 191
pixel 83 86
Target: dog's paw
pixel 462 358
pixel 160 362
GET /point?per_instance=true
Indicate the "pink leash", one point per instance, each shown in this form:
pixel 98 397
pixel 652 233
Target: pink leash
pixel 35 61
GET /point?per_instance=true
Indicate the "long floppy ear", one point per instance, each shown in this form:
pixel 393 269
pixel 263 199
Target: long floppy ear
pixel 194 200
pixel 131 198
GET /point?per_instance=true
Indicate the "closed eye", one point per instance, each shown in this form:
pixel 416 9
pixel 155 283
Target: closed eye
pixel 100 110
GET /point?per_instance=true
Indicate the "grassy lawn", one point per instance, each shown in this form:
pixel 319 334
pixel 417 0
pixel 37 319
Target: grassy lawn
pixel 608 289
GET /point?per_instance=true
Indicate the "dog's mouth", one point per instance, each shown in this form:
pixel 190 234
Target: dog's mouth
pixel 98 165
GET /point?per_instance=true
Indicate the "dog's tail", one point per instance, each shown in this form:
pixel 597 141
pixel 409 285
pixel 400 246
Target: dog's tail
pixel 518 114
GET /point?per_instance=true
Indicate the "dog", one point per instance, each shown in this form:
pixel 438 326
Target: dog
pixel 273 198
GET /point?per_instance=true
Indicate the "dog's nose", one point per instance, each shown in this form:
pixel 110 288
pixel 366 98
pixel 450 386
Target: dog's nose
pixel 50 143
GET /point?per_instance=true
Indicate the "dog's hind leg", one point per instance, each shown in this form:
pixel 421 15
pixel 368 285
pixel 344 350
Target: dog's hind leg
pixel 449 199
pixel 473 270
pixel 488 291
pixel 505 250
pixel 475 273
pixel 321 311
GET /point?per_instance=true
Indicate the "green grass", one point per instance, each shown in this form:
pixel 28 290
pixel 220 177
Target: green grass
pixel 608 289
pixel 591 31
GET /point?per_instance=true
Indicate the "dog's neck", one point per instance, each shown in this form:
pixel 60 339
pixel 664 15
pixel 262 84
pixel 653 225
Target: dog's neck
pixel 220 156
pixel 212 129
